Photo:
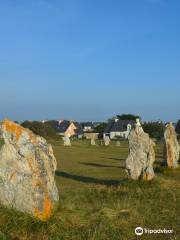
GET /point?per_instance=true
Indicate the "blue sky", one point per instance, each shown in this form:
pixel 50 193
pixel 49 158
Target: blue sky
pixel 89 60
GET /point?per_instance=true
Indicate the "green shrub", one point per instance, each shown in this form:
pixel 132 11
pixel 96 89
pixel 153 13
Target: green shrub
pixel 41 129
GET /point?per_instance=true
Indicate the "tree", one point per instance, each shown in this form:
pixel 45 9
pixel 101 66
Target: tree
pixel 128 117
pixel 41 129
pixel 155 129
pixel 100 128
pixel 178 127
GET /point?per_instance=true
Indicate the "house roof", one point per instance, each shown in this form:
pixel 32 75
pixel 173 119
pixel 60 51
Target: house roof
pixel 59 127
pixel 118 126
pixel 79 128
pixel 63 126
pixel 109 127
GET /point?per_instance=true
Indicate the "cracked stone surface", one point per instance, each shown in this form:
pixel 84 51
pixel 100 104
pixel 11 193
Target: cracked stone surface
pixel 139 163
pixel 27 170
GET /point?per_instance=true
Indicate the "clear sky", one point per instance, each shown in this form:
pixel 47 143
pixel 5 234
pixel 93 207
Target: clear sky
pixel 89 59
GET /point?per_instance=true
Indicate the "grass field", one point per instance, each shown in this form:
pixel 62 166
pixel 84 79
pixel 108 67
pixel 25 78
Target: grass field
pixel 98 202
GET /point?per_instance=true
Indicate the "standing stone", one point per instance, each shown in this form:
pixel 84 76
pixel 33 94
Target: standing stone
pixel 118 144
pixel 106 140
pixel 171 146
pixel 139 163
pixel 27 170
pixel 67 141
pixel 93 142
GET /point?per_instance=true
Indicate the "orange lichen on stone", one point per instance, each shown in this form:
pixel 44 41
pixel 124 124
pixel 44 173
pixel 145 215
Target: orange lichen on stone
pixel 17 130
pixel 29 161
pixel 47 210
pixel 28 169
pixel 147 176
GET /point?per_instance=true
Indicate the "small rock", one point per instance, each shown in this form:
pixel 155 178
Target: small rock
pixel 67 141
pixel 106 140
pixel 93 142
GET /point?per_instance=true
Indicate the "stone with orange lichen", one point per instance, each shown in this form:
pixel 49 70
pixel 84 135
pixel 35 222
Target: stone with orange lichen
pixel 27 170
pixel 46 211
pixel 172 148
pixel 17 130
pixel 139 163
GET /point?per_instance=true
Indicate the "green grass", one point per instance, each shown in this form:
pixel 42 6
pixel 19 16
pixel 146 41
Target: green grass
pixel 98 202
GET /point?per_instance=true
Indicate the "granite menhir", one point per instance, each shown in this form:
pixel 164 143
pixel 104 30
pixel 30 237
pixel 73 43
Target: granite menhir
pixel 27 170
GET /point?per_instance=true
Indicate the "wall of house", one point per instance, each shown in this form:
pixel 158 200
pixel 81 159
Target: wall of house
pixel 70 131
pixel 123 134
pixel 91 135
pixel 113 135
pixel 87 129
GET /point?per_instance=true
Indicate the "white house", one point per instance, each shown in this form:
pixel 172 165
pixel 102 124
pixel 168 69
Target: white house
pixel 118 128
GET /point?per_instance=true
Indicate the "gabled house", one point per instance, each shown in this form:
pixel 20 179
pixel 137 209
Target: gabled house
pixel 66 128
pixel 118 128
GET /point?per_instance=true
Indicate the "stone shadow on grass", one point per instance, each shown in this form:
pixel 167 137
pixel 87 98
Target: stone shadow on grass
pixel 117 159
pixel 101 165
pixel 88 179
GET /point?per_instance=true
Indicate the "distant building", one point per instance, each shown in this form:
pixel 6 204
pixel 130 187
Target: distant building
pixel 118 128
pixel 87 126
pixel 66 128
pixel 90 135
pixel 44 121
